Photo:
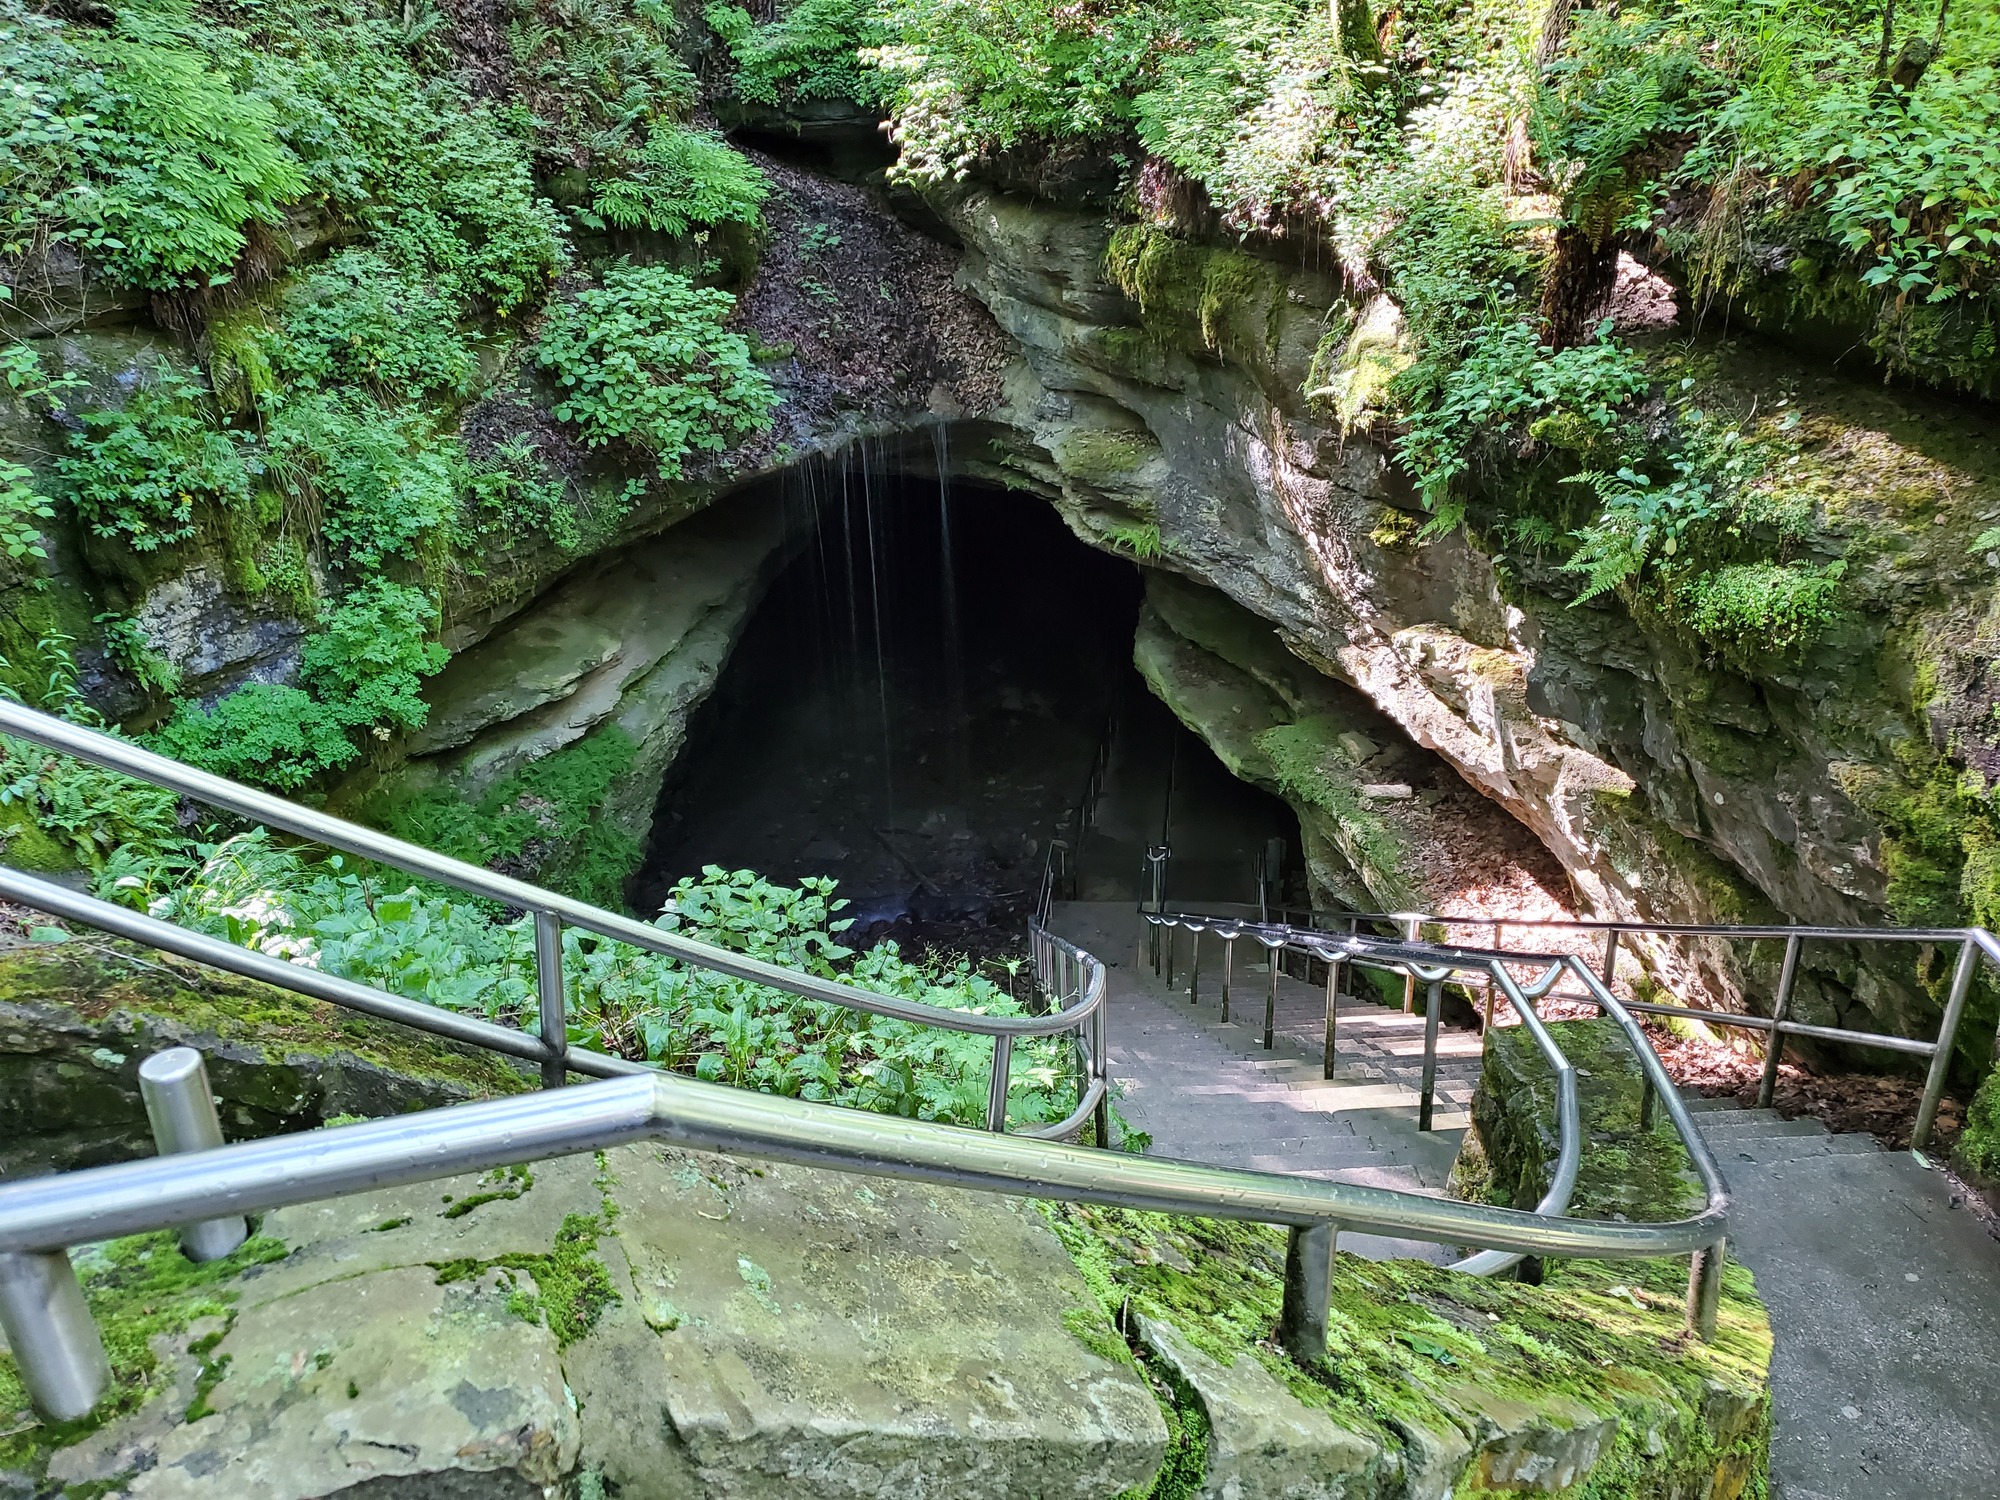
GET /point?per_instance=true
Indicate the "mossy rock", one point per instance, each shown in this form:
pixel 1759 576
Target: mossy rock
pixel 78 1017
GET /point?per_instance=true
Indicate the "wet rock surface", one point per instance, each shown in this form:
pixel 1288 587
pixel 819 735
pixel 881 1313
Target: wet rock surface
pixel 677 1324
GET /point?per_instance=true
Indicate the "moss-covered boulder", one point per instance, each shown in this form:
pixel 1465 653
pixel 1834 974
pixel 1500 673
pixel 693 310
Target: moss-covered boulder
pixel 78 1017
pixel 1435 1384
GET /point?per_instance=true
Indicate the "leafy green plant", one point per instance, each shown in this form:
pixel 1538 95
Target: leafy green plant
pixel 131 145
pixel 90 812
pixel 359 319
pixel 368 659
pixel 139 472
pixel 806 50
pixel 680 180
pixel 126 643
pixel 264 733
pixel 1761 609
pixel 22 509
pixel 645 358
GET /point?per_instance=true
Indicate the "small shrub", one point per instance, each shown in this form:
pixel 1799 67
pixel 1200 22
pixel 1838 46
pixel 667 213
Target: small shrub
pixel 264 733
pixel 1760 609
pixel 358 319
pixel 680 180
pixel 139 472
pixel 367 661
pixel 645 358
pixel 807 50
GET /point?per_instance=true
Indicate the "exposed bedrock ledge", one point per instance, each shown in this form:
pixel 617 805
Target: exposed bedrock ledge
pixel 675 1324
pixel 1669 787
pixel 632 644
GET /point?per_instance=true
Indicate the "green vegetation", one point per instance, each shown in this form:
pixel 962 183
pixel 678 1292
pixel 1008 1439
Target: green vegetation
pixel 644 358
pixel 810 49
pixel 450 952
pixel 143 1291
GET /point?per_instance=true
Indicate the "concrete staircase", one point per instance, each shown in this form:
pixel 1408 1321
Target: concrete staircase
pixel 1885 1307
pixel 1206 1090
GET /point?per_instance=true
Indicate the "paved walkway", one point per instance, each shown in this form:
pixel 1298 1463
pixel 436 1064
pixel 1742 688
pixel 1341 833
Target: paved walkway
pixel 1885 1303
pixel 1884 1299
pixel 1206 1090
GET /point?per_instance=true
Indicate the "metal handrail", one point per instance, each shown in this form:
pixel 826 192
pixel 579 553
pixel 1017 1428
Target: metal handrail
pixel 1431 964
pixel 1973 943
pixel 60 1354
pixel 550 910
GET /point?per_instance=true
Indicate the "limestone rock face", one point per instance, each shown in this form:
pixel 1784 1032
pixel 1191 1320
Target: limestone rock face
pixel 678 1324
pixel 1161 389
pixel 77 1019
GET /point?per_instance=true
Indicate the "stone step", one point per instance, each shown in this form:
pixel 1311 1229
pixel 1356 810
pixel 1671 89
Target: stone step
pixel 1732 1127
pixel 1801 1150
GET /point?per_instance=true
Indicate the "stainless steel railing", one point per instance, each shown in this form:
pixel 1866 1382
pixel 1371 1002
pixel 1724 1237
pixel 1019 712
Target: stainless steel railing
pixel 60 1355
pixel 551 912
pixel 1972 944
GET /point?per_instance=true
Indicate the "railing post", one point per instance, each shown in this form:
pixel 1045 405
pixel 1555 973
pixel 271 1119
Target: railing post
pixel 1332 1001
pixel 1705 1290
pixel 1194 966
pixel 1781 1007
pixel 549 991
pixel 1100 1062
pixel 1308 1291
pixel 1228 969
pixel 1271 999
pixel 174 1084
pixel 1954 1011
pixel 1610 957
pixel 1433 1007
pixel 1412 925
pixel 996 1088
pixel 54 1339
pixel 1168 943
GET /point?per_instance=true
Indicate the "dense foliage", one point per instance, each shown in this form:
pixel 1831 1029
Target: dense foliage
pixel 620 999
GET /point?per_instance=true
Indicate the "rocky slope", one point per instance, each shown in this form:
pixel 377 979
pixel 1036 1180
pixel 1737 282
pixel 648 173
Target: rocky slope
pixel 1159 399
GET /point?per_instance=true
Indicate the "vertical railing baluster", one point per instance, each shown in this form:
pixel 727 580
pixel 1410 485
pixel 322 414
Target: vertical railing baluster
pixel 1954 1011
pixel 1271 999
pixel 1610 957
pixel 1332 1003
pixel 996 1087
pixel 1704 1300
pixel 1302 1318
pixel 1228 971
pixel 1781 1009
pixel 549 991
pixel 1194 967
pixel 181 1110
pixel 1433 1007
pixel 54 1339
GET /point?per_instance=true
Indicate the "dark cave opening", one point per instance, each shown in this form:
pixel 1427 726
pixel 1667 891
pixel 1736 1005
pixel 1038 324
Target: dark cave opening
pixel 913 709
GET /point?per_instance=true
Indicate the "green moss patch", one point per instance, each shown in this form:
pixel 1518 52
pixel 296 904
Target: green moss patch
pixel 1416 1350
pixel 1312 767
pixel 142 1291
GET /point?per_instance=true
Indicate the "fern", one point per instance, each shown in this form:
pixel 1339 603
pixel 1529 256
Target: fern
pixel 681 180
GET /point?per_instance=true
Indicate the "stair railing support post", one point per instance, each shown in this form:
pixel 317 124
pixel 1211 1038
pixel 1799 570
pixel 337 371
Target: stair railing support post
pixel 181 1109
pixel 49 1328
pixel 1610 957
pixel 1332 1021
pixel 1781 1009
pixel 1433 1008
pixel 1194 966
pixel 1308 1292
pixel 1228 968
pixel 1412 925
pixel 1954 1012
pixel 1168 938
pixel 549 994
pixel 1271 999
pixel 1705 1290
pixel 996 1088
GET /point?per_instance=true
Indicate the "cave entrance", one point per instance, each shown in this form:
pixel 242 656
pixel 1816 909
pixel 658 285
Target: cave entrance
pixel 914 707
